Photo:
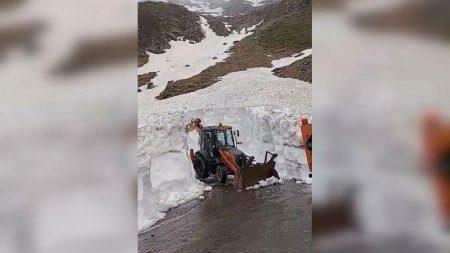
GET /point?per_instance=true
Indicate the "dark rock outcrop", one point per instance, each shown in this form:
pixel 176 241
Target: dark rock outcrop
pixel 301 70
pixel 146 79
pixel 218 26
pixel 159 23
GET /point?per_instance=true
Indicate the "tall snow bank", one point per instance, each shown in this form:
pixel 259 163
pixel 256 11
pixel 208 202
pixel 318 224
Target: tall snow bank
pixel 262 129
pixel 166 178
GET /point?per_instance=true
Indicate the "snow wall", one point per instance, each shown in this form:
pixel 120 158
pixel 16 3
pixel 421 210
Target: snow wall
pixel 166 178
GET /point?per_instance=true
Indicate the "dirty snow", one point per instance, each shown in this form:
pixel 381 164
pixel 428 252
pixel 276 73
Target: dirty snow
pixel 304 181
pixel 264 183
pixel 184 60
pixel 249 88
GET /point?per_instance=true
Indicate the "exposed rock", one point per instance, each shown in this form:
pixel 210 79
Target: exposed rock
pixel 269 12
pixel 159 23
pixel 217 26
pixel 146 79
pixel 301 70
pixel 142 57
pixel 214 58
pixel 286 30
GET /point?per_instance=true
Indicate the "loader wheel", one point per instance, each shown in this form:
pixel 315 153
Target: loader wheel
pixel 201 167
pixel 221 174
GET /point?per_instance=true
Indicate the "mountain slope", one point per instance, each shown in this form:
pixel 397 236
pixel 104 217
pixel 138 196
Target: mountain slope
pixel 301 70
pixel 159 23
pixel 285 31
pixel 223 7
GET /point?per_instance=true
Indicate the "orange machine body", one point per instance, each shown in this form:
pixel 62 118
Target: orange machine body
pixel 306 129
pixel 436 135
pixel 229 160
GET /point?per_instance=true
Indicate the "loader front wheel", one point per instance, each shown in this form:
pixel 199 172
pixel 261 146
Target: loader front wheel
pixel 221 174
pixel 201 167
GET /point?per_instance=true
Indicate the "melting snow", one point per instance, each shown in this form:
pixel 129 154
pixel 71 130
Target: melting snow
pixel 304 181
pixel 265 183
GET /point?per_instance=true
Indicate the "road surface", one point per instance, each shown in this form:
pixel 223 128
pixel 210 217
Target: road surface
pixel 271 219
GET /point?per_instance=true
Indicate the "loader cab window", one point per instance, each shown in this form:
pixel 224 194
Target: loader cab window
pixel 225 138
pixel 207 140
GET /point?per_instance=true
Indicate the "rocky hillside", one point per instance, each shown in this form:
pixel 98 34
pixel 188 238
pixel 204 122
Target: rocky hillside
pixel 269 12
pixel 159 23
pixel 223 7
pixel 301 69
pixel 286 30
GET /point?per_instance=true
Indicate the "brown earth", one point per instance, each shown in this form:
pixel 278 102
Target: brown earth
pixel 217 26
pixel 301 70
pixel 159 23
pixel 142 57
pixel 146 79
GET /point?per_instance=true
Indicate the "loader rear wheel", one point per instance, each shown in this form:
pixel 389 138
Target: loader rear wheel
pixel 221 174
pixel 201 167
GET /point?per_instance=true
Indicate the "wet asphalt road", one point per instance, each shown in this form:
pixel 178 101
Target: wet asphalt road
pixel 271 219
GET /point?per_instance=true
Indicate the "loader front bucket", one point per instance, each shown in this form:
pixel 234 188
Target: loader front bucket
pixel 253 173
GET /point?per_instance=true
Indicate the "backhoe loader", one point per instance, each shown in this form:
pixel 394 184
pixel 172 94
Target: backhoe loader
pixel 219 155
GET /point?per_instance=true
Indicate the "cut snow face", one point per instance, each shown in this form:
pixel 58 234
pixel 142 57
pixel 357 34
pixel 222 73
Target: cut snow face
pixel 264 183
pixel 184 60
pixel 165 178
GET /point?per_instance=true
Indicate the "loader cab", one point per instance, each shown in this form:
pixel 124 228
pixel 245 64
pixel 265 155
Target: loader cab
pixel 217 136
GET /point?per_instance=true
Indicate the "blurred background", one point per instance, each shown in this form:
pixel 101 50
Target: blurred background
pixel 381 125
pixel 68 126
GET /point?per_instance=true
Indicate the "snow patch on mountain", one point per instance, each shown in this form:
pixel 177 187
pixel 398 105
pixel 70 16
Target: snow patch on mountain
pixel 256 3
pixel 283 62
pixel 204 7
pixel 184 60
